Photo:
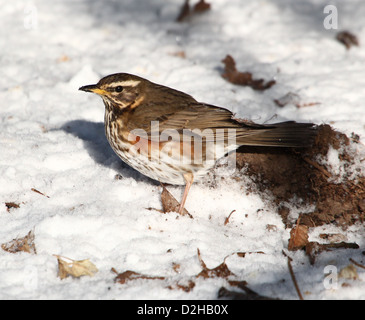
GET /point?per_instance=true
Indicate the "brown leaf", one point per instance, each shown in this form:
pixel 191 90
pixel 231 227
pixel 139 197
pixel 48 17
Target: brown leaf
pixel 349 272
pixel 128 275
pixel 76 268
pixel 201 6
pixel 289 98
pixel 186 12
pixel 185 287
pixel 333 237
pixel 295 99
pixel 247 293
pixel 11 205
pixel 312 248
pixel 170 204
pixel 25 244
pixel 298 237
pixel 348 39
pixel 221 271
pixel 243 78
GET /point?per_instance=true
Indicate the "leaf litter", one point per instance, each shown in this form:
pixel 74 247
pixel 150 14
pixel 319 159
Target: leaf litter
pixel 22 244
pixel 75 268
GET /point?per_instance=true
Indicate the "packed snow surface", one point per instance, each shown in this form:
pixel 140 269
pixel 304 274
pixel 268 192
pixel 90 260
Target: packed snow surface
pixel 52 140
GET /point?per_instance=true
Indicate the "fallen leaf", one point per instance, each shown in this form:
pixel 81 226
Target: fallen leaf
pixel 348 39
pixel 294 99
pixel 220 271
pixel 333 237
pixel 349 272
pixel 243 78
pixel 185 287
pixel 76 268
pixel 186 11
pixel 24 244
pixel 180 54
pixel 298 237
pixel 247 293
pixel 128 275
pixel 170 204
pixel 63 58
pixel 312 248
pixel 11 205
pixel 201 6
pixel 289 98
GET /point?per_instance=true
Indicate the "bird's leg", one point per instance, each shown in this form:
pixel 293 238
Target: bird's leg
pixel 189 181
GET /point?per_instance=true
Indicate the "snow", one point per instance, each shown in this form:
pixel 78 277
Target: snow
pixel 52 140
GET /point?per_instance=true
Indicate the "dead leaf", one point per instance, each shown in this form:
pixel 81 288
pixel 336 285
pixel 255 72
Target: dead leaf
pixel 180 54
pixel 294 99
pixel 349 272
pixel 76 268
pixel 312 248
pixel 63 58
pixel 333 237
pixel 170 204
pixel 348 39
pixel 25 244
pixel 221 271
pixel 243 78
pixel 201 6
pixel 298 237
pixel 11 205
pixel 128 275
pixel 289 98
pixel 186 11
pixel 247 293
pixel 243 254
pixel 185 287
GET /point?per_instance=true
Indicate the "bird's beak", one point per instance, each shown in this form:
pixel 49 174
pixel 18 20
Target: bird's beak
pixel 93 88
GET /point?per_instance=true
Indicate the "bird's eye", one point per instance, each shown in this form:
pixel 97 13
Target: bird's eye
pixel 118 89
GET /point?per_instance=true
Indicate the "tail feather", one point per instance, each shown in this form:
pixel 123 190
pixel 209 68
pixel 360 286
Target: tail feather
pixel 283 134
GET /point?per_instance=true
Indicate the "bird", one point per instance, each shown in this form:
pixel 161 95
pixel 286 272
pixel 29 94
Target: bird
pixel 169 136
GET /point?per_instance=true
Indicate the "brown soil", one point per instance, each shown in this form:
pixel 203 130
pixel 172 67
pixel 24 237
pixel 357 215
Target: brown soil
pixel 290 174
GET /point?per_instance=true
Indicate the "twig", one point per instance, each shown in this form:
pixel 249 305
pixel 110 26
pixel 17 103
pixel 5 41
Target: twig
pixel 292 275
pixel 227 219
pixel 36 191
pixel 317 166
pixel 357 264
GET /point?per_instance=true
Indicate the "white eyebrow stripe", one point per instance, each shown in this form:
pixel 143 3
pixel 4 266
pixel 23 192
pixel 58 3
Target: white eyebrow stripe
pixel 127 83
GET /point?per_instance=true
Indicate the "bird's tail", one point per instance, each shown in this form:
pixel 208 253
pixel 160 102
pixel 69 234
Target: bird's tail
pixel 283 134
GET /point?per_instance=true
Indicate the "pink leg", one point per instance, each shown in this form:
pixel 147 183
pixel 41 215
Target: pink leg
pixel 189 181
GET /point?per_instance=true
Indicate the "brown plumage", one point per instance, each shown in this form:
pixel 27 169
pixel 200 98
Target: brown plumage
pixel 169 136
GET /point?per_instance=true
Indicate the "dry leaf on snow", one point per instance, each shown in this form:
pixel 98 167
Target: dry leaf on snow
pixel 68 267
pixel 298 237
pixel 348 39
pixel 170 204
pixel 186 12
pixel 243 78
pixel 349 272
pixel 25 244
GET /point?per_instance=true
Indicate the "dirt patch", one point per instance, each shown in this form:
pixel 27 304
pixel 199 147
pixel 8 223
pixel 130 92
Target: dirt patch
pixel 304 176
